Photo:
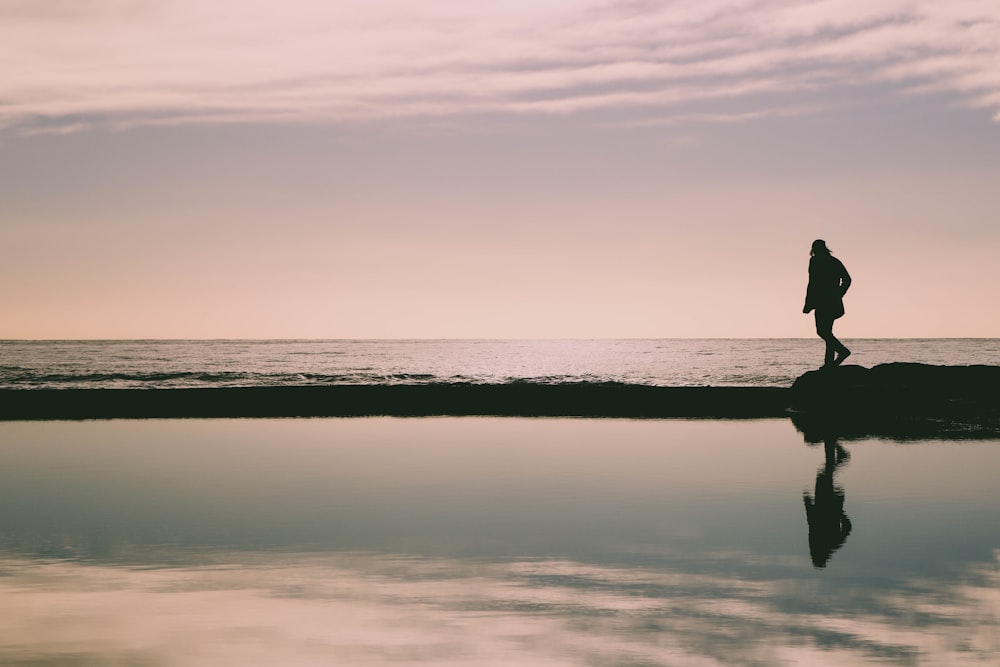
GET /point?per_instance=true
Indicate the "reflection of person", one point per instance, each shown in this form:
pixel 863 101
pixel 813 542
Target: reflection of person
pixel 828 282
pixel 828 523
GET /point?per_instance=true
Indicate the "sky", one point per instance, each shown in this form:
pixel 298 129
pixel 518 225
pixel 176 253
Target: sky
pixel 455 169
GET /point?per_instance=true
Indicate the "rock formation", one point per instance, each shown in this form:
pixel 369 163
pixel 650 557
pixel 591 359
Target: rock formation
pixel 901 397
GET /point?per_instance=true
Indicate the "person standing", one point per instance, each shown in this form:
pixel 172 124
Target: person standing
pixel 828 282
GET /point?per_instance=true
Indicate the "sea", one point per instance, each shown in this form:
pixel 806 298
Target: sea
pixel 763 362
pixel 456 541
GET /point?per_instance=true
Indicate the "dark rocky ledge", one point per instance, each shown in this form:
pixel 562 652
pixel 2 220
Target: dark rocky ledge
pixel 515 399
pixel 899 400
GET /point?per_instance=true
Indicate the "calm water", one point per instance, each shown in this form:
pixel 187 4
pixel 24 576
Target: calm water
pixel 739 362
pixel 489 541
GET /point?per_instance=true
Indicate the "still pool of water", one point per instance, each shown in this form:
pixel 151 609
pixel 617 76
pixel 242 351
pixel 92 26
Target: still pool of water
pixel 483 541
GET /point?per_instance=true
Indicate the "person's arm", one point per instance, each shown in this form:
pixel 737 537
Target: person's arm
pixel 845 280
pixel 809 305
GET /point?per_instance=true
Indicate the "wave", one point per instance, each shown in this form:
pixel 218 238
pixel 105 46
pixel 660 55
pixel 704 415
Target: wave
pixel 680 363
pixel 28 379
pixel 20 378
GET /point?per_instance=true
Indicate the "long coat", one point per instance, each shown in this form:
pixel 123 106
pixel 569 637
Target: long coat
pixel 828 282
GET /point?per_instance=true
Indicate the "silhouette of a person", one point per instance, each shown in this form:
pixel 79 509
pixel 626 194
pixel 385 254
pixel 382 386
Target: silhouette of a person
pixel 828 523
pixel 828 282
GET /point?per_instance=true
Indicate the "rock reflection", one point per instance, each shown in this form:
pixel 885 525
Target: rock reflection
pixel 829 525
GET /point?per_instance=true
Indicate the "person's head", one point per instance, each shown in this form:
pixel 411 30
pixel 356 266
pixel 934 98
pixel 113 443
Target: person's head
pixel 819 248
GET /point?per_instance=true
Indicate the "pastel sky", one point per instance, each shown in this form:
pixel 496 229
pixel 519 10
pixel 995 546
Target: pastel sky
pixel 445 168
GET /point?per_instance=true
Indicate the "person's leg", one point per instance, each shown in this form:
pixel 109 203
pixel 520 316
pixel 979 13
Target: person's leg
pixel 824 329
pixel 840 348
pixel 843 352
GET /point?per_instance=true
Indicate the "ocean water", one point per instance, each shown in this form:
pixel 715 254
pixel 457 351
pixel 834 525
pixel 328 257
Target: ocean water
pixel 447 541
pixel 663 362
pixel 492 541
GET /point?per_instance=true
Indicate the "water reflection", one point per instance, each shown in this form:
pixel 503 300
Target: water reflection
pixel 489 541
pixel 382 609
pixel 829 525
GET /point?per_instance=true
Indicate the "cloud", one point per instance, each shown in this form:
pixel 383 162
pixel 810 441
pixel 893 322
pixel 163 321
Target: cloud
pixel 133 62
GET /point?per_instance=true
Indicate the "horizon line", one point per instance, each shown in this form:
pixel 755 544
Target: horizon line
pixel 474 338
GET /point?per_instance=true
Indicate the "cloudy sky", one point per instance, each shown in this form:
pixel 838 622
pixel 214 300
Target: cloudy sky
pixel 444 168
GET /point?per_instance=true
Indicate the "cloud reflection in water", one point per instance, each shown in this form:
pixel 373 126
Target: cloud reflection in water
pixel 485 542
pixel 273 608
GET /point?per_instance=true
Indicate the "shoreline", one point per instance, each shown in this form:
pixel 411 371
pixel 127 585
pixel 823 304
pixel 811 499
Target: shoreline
pixel 899 401
pixel 415 400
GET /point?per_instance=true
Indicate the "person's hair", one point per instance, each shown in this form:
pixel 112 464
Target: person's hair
pixel 819 248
